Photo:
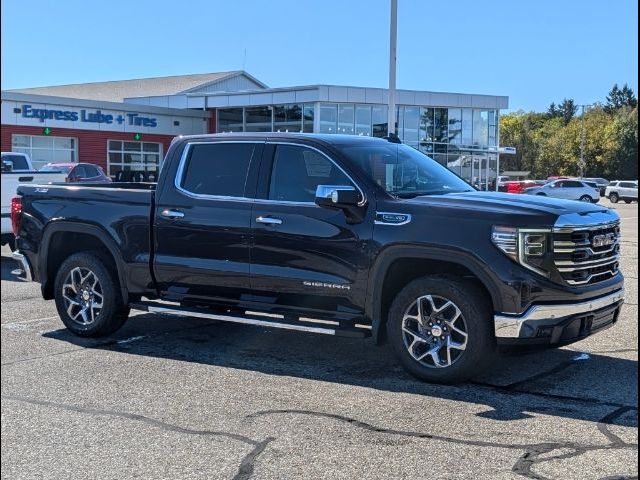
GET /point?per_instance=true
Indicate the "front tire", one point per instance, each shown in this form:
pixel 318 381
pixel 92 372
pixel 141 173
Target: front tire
pixel 614 198
pixel 441 329
pixel 627 201
pixel 586 199
pixel 88 296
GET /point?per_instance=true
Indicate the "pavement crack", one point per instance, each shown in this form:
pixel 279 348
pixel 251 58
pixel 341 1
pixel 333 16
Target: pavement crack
pixel 247 464
pixel 603 426
pixel 525 462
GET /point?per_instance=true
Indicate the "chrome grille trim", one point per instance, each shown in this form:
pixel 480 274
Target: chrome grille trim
pixel 578 260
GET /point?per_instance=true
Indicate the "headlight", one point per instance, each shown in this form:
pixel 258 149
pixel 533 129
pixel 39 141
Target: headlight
pixel 531 248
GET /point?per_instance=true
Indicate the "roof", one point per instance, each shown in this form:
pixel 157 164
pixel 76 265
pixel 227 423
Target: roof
pixel 118 90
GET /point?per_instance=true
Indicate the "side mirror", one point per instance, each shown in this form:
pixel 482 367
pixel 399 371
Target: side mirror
pixel 7 166
pixel 343 197
pixel 337 196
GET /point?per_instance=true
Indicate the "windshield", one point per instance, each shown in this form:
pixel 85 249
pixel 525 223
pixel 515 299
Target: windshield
pixel 404 171
pixel 54 168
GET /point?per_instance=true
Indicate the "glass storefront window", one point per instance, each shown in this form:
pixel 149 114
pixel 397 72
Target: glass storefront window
pixel 258 119
pixel 455 126
pixel 480 127
pixel 426 124
pixel 230 120
pixel 454 163
pixel 411 135
pixel 328 118
pixel 467 126
pixel 493 128
pixel 345 119
pixel 287 118
pixel 307 118
pixel 379 120
pixel 363 120
pixel 440 125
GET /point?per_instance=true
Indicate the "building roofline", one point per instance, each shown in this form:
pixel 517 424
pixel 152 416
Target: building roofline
pixel 232 74
pixel 321 85
pixel 226 75
pixel 8 95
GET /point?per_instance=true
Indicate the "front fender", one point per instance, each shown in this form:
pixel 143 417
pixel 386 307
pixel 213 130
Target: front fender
pixel 384 260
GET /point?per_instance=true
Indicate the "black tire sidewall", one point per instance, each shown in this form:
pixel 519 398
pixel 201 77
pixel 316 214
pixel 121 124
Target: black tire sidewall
pixel 584 198
pixel 481 344
pixel 614 198
pixel 113 312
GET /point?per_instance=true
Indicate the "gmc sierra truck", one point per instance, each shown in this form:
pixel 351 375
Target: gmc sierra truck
pixel 328 234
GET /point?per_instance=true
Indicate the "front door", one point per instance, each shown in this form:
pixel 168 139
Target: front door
pixel 304 256
pixel 203 222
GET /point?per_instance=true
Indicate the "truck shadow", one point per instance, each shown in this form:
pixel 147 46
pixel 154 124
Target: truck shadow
pixel 563 383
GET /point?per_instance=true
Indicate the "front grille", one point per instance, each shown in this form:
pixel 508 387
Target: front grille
pixel 587 254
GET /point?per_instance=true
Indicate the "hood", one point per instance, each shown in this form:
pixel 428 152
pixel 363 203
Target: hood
pixel 513 209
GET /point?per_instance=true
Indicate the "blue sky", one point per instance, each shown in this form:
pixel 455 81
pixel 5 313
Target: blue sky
pixel 535 52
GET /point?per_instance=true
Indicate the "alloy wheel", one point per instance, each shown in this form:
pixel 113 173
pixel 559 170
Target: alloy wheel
pixel 434 331
pixel 83 296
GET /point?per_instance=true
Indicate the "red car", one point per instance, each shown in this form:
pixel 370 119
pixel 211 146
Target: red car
pixel 78 172
pixel 519 186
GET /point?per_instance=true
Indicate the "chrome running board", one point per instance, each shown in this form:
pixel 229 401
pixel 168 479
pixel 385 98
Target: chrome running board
pixel 256 319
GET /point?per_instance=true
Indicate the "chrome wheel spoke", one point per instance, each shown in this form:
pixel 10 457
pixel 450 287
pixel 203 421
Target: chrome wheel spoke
pixel 434 331
pixel 82 296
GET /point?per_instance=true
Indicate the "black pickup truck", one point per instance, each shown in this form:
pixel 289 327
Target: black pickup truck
pixel 330 234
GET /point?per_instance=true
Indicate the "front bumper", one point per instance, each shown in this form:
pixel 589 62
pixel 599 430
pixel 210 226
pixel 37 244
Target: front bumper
pixel 559 323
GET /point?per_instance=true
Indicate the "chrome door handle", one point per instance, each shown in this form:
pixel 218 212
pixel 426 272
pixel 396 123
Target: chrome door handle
pixel 172 213
pixel 269 220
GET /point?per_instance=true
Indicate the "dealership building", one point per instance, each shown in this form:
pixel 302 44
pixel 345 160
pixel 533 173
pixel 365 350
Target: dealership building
pixel 127 126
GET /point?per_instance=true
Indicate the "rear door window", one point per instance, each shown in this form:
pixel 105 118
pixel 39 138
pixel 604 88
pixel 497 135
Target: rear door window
pixel 217 169
pixel 572 184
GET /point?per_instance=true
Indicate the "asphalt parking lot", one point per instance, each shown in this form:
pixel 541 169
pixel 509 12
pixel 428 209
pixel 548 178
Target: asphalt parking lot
pixel 175 398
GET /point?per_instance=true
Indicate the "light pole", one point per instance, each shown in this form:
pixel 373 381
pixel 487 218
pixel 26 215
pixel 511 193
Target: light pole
pixel 393 40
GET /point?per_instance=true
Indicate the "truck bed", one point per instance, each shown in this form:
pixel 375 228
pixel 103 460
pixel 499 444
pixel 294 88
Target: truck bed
pixel 120 213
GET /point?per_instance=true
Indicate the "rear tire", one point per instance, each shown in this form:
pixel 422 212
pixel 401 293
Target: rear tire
pixel 627 201
pixel 88 296
pixel 614 198
pixel 435 349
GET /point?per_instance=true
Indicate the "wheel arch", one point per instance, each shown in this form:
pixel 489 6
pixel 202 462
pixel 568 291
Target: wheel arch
pixel 406 263
pixel 87 237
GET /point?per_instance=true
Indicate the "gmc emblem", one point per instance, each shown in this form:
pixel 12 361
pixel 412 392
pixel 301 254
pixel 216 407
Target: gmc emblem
pixel 604 240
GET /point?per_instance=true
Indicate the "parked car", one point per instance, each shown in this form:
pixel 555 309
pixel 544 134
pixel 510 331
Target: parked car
pixel 622 190
pixel 502 183
pixel 601 182
pixel 519 186
pixel 78 172
pixel 571 189
pixel 17 169
pixel 329 227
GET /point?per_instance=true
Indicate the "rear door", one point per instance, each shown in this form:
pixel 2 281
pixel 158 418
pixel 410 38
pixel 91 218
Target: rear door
pixel 203 222
pixel 304 256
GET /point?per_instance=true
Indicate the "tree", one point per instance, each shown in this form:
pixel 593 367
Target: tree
pixel 553 111
pixel 619 98
pixel 567 110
